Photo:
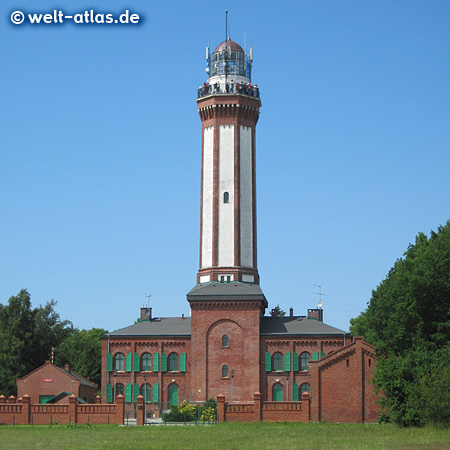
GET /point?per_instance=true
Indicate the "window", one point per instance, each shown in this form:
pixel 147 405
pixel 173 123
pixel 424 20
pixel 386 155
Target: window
pixel 305 388
pixel 224 371
pixel 277 393
pixel 119 389
pixel 277 361
pixel 119 361
pixel 173 362
pixel 146 392
pixel 225 341
pixel 225 278
pixel 304 360
pixel 146 362
pixel 226 197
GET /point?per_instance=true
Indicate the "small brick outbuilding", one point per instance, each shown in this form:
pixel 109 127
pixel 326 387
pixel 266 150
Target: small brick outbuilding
pixel 48 381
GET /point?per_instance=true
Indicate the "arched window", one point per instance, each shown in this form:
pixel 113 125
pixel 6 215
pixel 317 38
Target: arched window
pixel 173 362
pixel 146 362
pixel 226 197
pixel 277 393
pixel 304 360
pixel 225 341
pixel 119 361
pixel 119 389
pixel 224 371
pixel 146 392
pixel 305 387
pixel 173 394
pixel 277 361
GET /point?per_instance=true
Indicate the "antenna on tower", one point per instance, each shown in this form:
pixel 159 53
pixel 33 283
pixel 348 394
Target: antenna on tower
pixel 148 297
pixel 319 303
pixel 226 25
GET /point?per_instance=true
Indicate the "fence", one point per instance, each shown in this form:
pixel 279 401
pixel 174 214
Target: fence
pixel 21 412
pixel 263 411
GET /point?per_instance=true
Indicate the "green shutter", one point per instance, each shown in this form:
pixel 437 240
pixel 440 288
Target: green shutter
pixel 183 362
pixel 156 393
pixel 109 393
pixel 268 362
pixel 156 362
pixel 315 356
pixel 135 392
pixel 136 363
pixel 128 365
pixel 295 392
pixel 109 362
pixel 163 362
pixel 128 392
pixel 295 361
pixel 287 362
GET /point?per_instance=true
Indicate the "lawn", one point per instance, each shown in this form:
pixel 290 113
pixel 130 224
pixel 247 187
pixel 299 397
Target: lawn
pixel 229 436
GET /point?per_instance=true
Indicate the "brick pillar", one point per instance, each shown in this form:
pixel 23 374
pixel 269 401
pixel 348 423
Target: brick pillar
pixel 306 406
pixel 11 399
pixel 2 399
pixel 257 406
pixel 25 410
pixel 140 410
pixel 73 408
pixel 120 409
pixel 98 399
pixel 221 408
pixel 315 400
pixel 359 380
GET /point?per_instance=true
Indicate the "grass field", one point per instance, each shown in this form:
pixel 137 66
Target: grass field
pixel 227 436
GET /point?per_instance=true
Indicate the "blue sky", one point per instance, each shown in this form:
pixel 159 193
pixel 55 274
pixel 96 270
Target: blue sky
pixel 100 146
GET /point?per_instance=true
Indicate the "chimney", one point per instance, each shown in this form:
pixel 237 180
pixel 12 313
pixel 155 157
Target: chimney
pixel 182 316
pixel 67 368
pixel 146 313
pixel 291 312
pixel 315 314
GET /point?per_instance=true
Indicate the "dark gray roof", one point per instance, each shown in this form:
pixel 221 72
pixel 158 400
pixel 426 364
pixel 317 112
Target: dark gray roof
pixel 235 290
pixel 164 326
pixel 274 326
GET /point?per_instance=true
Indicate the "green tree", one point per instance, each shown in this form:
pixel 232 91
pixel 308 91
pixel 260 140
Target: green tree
pixel 408 321
pixel 82 350
pixel 277 312
pixel 27 336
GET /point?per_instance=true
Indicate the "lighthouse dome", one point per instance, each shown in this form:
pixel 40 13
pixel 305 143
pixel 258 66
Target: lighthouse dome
pixel 229 44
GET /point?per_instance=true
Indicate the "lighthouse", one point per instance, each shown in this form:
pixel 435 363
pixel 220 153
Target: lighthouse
pixel 228 105
pixel 227 302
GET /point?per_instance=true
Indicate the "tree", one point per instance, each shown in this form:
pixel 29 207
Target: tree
pixel 277 312
pixel 408 321
pixel 27 336
pixel 82 350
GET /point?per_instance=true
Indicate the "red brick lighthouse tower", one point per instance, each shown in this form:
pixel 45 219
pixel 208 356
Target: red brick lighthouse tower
pixel 229 108
pixel 227 302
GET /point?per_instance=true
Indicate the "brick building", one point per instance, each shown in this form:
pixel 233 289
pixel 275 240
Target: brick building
pixel 229 346
pixel 52 384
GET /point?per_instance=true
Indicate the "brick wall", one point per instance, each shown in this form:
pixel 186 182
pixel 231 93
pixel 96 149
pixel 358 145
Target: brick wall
pixel 25 413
